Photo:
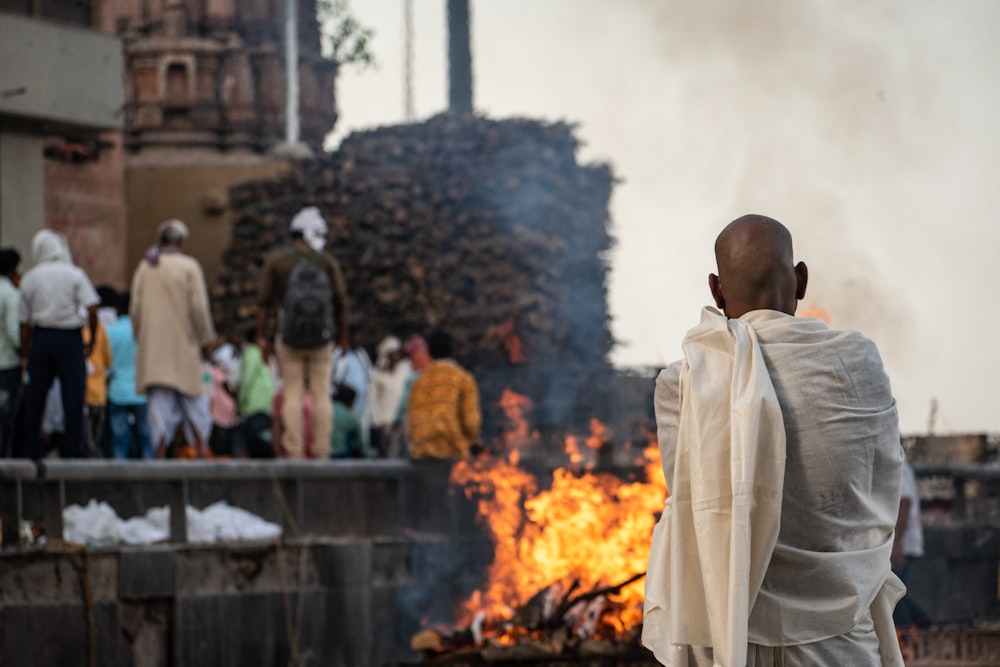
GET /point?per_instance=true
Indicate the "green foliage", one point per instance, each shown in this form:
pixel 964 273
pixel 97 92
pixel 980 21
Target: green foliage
pixel 344 38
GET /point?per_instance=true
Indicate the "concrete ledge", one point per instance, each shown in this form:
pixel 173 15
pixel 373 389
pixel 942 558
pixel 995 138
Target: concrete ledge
pixel 105 469
pixel 18 469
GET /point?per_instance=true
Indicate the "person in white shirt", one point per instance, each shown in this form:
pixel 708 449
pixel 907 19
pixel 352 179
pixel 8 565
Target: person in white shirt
pixel 10 348
pixel 388 378
pixel 780 445
pixel 57 300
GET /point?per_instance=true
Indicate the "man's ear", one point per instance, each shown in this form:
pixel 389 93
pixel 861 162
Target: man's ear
pixel 715 286
pixel 801 279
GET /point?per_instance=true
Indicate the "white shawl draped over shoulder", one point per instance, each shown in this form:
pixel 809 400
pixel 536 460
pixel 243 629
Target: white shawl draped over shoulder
pixel 780 444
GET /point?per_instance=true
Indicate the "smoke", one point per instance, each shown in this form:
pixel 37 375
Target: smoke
pixel 866 126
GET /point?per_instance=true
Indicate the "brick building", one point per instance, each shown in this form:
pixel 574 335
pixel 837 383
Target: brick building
pixel 61 99
pixel 205 108
pixel 202 108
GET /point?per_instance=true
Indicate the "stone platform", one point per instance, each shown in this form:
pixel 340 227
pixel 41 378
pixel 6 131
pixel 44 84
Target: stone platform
pixel 371 552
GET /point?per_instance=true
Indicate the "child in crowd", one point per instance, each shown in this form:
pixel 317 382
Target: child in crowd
pixel 96 398
pixel 347 439
pixel 222 401
pixel 255 398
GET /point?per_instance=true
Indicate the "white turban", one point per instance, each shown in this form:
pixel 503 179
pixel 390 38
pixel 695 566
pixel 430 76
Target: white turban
pixel 309 221
pixel 172 231
pixel 388 345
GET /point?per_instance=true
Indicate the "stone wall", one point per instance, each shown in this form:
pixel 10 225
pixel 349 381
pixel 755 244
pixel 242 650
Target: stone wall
pixel 365 565
pixel 354 578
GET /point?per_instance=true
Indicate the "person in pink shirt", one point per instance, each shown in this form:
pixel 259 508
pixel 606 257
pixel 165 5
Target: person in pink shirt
pixel 222 402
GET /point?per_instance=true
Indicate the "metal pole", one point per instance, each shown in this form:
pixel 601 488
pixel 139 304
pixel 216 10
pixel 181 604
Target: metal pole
pixel 408 60
pixel 459 57
pixel 291 75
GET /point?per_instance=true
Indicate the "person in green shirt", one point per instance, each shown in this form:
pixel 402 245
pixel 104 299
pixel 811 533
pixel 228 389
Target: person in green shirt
pixel 255 399
pixel 347 439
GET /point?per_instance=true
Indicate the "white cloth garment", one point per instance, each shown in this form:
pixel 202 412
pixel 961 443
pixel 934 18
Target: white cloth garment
pixel 913 537
pixel 780 444
pixel 309 221
pixel 54 293
pixel 386 390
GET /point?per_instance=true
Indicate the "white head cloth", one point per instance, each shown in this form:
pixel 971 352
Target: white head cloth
pixel 309 221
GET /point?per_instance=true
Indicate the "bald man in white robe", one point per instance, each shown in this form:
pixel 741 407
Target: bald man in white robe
pixel 780 443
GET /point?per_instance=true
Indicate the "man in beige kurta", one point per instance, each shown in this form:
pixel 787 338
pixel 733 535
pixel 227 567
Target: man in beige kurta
pixel 780 443
pixel 172 326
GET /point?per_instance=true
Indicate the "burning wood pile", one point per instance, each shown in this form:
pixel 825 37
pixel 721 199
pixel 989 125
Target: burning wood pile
pixel 569 560
pixel 489 228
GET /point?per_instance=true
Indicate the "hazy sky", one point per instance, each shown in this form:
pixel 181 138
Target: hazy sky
pixel 870 128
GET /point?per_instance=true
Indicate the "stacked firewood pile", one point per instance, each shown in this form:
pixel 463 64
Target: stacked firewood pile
pixel 490 229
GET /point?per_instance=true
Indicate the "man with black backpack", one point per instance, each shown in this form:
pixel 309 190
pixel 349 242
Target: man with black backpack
pixel 306 289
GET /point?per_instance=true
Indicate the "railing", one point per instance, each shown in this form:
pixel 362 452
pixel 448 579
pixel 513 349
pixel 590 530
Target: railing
pixel 973 489
pixel 54 474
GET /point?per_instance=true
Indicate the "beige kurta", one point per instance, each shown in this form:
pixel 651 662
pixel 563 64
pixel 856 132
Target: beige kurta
pixel 780 444
pixel 171 322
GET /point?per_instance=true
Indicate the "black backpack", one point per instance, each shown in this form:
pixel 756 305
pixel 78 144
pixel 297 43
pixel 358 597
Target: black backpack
pixel 307 310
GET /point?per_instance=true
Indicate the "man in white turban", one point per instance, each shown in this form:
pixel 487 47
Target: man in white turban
pixel 780 445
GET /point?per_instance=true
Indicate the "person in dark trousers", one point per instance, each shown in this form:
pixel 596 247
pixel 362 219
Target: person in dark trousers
pixel 10 352
pixel 54 294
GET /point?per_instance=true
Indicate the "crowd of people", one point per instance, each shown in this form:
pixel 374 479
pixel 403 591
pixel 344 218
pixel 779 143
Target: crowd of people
pixel 143 373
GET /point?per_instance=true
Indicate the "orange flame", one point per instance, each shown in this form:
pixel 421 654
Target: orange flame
pixel 598 434
pixel 587 531
pixel 516 408
pixel 812 310
pixel 506 333
pixel 573 450
pixel 515 348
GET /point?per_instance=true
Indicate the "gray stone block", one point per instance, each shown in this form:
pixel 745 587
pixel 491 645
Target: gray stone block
pixel 394 624
pixel 363 507
pixel 345 564
pixel 349 626
pixel 147 572
pixel 390 561
pixel 56 635
pixel 249 636
pixel 145 630
pixel 10 513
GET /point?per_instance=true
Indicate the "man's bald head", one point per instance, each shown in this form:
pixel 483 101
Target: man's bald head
pixel 756 271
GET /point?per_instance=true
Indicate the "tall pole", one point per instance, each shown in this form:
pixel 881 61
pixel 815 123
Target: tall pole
pixel 408 60
pixel 291 75
pixel 459 57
